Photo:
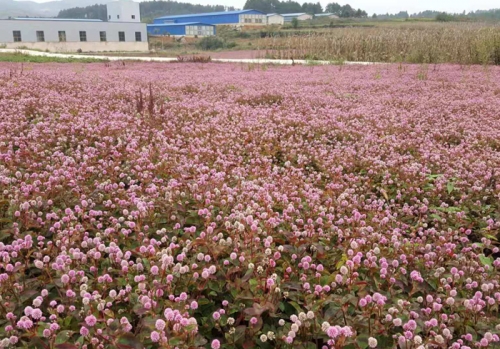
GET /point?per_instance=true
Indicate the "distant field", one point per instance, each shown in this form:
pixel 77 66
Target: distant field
pixel 417 41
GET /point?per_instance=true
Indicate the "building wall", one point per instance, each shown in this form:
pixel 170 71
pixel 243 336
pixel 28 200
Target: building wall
pixel 174 30
pixel 304 17
pixel 28 29
pixel 209 19
pixel 125 10
pixel 67 47
pixel 199 30
pixel 253 19
pixel 229 18
pixel 182 30
pixel 275 19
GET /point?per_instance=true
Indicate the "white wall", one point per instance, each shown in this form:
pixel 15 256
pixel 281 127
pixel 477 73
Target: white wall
pixel 253 19
pixel 199 30
pixel 304 17
pixel 275 19
pixel 67 47
pixel 123 11
pixel 51 28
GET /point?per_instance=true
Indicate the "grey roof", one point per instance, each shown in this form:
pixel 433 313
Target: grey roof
pixel 293 14
pixel 58 19
pixel 209 14
pixel 178 24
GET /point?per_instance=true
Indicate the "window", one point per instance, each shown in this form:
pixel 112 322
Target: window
pixel 138 36
pixel 62 36
pixel 117 16
pixel 102 35
pixel 121 36
pixel 83 36
pixel 40 36
pixel 133 16
pixel 109 17
pixel 17 35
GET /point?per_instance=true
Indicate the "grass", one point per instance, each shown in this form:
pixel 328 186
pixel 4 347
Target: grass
pixel 23 58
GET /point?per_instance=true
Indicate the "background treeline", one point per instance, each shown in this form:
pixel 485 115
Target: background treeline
pixel 289 6
pixel 493 14
pixel 149 10
pixel 153 9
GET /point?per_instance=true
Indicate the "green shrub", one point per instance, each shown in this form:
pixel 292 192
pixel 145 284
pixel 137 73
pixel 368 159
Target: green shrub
pixel 211 43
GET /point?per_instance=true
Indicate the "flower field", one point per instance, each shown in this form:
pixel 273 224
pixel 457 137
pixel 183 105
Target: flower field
pixel 234 206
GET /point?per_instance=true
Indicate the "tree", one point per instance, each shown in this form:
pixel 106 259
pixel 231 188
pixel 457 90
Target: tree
pixel 347 11
pixel 295 23
pixel 334 8
pixel 309 7
pixel 149 10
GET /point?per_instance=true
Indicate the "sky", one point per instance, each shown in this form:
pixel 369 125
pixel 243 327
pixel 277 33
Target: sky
pixel 382 6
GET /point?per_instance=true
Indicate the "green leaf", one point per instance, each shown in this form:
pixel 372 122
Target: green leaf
pixel 450 187
pixel 128 341
pixel 362 340
pixel 485 260
pixel 174 341
pixel 66 346
pixel 239 334
pixel 384 342
pixel 200 341
pixel 63 337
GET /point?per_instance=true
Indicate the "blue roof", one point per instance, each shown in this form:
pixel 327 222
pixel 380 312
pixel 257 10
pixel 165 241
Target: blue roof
pixel 210 14
pixel 178 24
pixel 59 19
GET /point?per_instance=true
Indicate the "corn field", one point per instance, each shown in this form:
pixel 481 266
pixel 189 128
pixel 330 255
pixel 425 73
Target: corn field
pixel 462 43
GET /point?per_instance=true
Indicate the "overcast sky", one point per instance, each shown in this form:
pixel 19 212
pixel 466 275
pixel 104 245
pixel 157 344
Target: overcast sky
pixel 383 6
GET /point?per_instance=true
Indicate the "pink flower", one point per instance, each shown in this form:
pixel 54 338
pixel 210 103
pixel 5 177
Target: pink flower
pixel 215 344
pixel 155 336
pixel 90 320
pixel 84 331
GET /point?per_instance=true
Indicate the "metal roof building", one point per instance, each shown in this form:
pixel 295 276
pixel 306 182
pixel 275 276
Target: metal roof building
pixel 243 17
pixel 327 15
pixel 275 18
pixel 182 29
pixel 300 16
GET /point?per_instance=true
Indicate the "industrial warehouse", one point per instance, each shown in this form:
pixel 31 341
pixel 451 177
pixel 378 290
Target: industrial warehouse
pixel 122 32
pixel 204 24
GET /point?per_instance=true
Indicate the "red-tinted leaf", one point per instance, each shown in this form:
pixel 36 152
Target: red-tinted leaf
pixel 128 341
pixel 66 346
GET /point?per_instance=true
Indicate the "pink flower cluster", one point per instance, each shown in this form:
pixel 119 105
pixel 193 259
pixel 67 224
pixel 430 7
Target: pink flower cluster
pixel 186 205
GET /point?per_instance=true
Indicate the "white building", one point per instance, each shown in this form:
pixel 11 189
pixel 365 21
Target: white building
pixel 300 16
pixel 123 11
pixel 123 33
pixel 275 18
pixel 326 15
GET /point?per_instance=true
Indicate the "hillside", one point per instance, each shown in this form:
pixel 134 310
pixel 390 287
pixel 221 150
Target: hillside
pixel 11 8
pixel 149 10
